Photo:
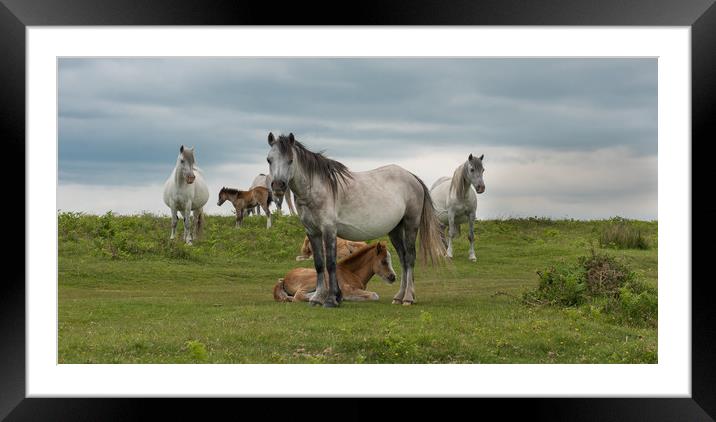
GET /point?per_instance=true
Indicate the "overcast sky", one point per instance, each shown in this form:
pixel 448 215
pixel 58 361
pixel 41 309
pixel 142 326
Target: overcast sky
pixel 562 138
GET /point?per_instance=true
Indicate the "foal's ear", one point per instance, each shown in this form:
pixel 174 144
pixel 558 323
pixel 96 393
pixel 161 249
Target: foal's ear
pixel 271 139
pixel 379 248
pixel 291 139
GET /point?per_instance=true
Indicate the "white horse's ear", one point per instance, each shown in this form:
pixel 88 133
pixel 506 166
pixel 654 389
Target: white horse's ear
pixel 271 139
pixel 482 156
pixel 291 139
pixel 181 148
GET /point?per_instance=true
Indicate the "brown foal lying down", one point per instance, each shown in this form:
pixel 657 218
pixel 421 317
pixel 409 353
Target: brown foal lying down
pixel 344 248
pixel 353 274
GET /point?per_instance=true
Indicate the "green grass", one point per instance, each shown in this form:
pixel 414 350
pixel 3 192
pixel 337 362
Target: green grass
pixel 129 295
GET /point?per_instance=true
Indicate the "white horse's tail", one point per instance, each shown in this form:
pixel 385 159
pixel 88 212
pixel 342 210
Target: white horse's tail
pixel 432 247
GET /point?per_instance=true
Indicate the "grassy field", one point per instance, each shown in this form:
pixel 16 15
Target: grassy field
pixel 129 295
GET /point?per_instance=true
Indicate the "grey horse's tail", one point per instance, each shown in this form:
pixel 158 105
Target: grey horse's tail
pixel 432 247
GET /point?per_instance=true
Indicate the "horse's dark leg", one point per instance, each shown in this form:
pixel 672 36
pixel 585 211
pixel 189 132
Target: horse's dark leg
pixel 334 291
pixel 471 235
pixel 317 247
pixel 397 238
pixel 411 233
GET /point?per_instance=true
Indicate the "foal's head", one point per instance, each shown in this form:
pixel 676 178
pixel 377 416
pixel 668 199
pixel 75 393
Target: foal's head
pixel 382 264
pixel 185 162
pixel 223 196
pixel 474 170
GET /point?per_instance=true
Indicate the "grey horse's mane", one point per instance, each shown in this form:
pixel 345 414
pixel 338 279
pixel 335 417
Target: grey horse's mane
pixel 457 184
pixel 316 164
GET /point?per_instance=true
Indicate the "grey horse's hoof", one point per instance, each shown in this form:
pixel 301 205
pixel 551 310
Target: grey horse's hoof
pixel 473 259
pixel 314 303
pixel 407 303
pixel 330 303
pixel 396 302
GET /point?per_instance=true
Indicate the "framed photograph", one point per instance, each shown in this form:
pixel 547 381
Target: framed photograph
pixel 569 289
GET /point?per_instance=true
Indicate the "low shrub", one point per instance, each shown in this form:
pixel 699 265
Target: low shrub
pixel 600 281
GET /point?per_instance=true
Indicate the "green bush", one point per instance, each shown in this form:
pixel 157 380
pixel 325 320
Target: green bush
pixel 600 282
pixel 559 285
pixel 622 234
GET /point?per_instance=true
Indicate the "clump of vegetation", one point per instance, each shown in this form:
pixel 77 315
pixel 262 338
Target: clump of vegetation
pixel 196 350
pixel 620 233
pixel 603 283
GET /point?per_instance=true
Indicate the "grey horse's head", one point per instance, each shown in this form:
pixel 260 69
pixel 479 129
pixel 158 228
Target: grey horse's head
pixel 474 170
pixel 185 162
pixel 280 160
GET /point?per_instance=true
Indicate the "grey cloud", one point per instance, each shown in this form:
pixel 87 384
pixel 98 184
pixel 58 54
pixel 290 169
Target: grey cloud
pixel 122 120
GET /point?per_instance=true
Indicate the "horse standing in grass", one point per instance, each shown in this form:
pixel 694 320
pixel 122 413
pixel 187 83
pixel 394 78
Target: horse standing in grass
pixel 456 202
pixel 353 275
pixel 247 200
pixel 343 248
pixel 185 191
pixel 333 201
pixel 265 181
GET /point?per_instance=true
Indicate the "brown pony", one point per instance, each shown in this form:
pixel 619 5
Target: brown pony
pixel 344 248
pixel 353 275
pixel 248 199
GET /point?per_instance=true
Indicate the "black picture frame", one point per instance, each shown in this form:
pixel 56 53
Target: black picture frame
pixel 700 16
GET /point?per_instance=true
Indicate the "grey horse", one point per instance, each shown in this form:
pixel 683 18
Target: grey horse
pixel 333 201
pixel 456 202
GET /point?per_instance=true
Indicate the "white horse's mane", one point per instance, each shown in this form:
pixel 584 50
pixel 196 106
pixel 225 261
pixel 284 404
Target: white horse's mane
pixel 458 184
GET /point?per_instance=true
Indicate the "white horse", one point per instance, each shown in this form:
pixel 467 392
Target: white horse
pixel 185 191
pixel 333 201
pixel 264 180
pixel 456 202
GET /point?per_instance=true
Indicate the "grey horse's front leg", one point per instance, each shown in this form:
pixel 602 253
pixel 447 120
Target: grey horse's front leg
pixel 452 232
pixel 319 297
pixel 471 236
pixel 334 291
pixel 175 219
pixel 291 208
pixel 187 225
